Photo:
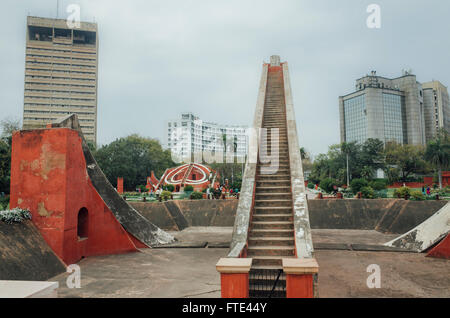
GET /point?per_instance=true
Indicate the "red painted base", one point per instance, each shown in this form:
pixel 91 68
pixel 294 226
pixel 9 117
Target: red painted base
pixel 234 285
pixel 442 249
pixel 299 286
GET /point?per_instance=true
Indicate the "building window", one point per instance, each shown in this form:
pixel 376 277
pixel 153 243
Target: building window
pixel 83 224
pixel 393 118
pixel 355 118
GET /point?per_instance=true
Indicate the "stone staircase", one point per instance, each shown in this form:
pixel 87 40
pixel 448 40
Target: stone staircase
pixel 271 235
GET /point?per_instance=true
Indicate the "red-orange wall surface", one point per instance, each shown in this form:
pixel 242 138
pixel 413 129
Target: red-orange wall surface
pixel 49 177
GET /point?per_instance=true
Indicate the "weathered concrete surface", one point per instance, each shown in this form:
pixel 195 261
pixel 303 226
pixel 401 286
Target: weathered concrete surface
pixel 157 213
pixel 209 234
pixel 344 274
pixel 350 236
pixel 384 215
pixel 188 272
pixel 176 214
pixel 24 254
pixel 427 233
pixel 193 213
pixel 243 213
pixel 167 273
pixel 209 212
pixel 302 228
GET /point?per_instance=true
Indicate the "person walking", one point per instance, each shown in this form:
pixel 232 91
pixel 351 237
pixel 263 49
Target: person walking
pixel 428 190
pixel 208 193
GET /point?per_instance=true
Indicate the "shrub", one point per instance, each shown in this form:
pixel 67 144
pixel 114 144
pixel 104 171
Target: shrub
pixel 166 195
pixel 367 192
pixel 236 185
pixel 169 187
pixel 4 201
pixel 188 188
pixel 142 188
pixel 417 195
pixel 16 215
pixel 381 194
pixel 378 184
pixel 357 184
pixel 402 192
pixel 327 185
pixel 196 196
pixel 311 185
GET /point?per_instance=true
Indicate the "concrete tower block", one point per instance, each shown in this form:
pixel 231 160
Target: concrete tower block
pixel 275 60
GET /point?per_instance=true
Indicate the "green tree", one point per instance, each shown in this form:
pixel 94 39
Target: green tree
pixel 438 153
pixel 357 184
pixel 372 154
pixel 133 158
pixel 7 126
pixel 405 159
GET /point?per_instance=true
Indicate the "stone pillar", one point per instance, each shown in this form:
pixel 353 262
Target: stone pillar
pixel 300 277
pixel 234 277
pixel 120 185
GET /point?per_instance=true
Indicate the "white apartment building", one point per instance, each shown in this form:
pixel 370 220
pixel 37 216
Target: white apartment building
pixel 190 136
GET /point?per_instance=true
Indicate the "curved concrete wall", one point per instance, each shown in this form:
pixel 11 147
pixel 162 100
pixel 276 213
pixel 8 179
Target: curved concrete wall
pixel 384 215
pixel 190 213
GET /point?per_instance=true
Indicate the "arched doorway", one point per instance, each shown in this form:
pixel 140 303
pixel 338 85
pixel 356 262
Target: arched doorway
pixel 83 224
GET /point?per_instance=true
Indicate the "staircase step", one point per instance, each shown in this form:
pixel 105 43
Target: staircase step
pixel 280 202
pixel 270 250
pixel 268 260
pixel 272 196
pixel 272 210
pixel 271 233
pixel 266 183
pixel 272 217
pixel 269 241
pixel 274 177
pixel 275 225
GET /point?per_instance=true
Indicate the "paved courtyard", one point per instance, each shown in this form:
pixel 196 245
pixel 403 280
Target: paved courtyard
pixel 190 272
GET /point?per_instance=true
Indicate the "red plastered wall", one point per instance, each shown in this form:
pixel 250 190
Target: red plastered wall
pixel 49 177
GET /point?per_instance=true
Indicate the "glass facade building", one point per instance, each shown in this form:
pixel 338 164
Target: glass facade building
pixel 399 109
pixel 393 118
pixel 355 114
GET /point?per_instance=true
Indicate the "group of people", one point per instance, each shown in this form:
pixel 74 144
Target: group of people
pixel 220 192
pixel 426 191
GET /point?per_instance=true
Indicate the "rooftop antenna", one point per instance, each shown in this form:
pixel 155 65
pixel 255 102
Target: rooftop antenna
pixel 57 9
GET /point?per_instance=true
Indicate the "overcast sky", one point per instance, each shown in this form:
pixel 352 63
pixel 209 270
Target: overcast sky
pixel 160 58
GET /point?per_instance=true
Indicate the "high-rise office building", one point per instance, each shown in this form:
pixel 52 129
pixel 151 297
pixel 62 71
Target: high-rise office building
pixel 437 108
pixel 61 67
pixel 392 109
pixel 190 135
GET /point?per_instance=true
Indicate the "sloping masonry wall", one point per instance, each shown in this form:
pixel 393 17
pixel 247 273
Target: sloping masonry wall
pixel 384 215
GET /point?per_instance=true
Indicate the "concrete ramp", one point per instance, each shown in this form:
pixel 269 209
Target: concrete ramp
pixel 24 254
pixel 425 234
pixel 133 222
